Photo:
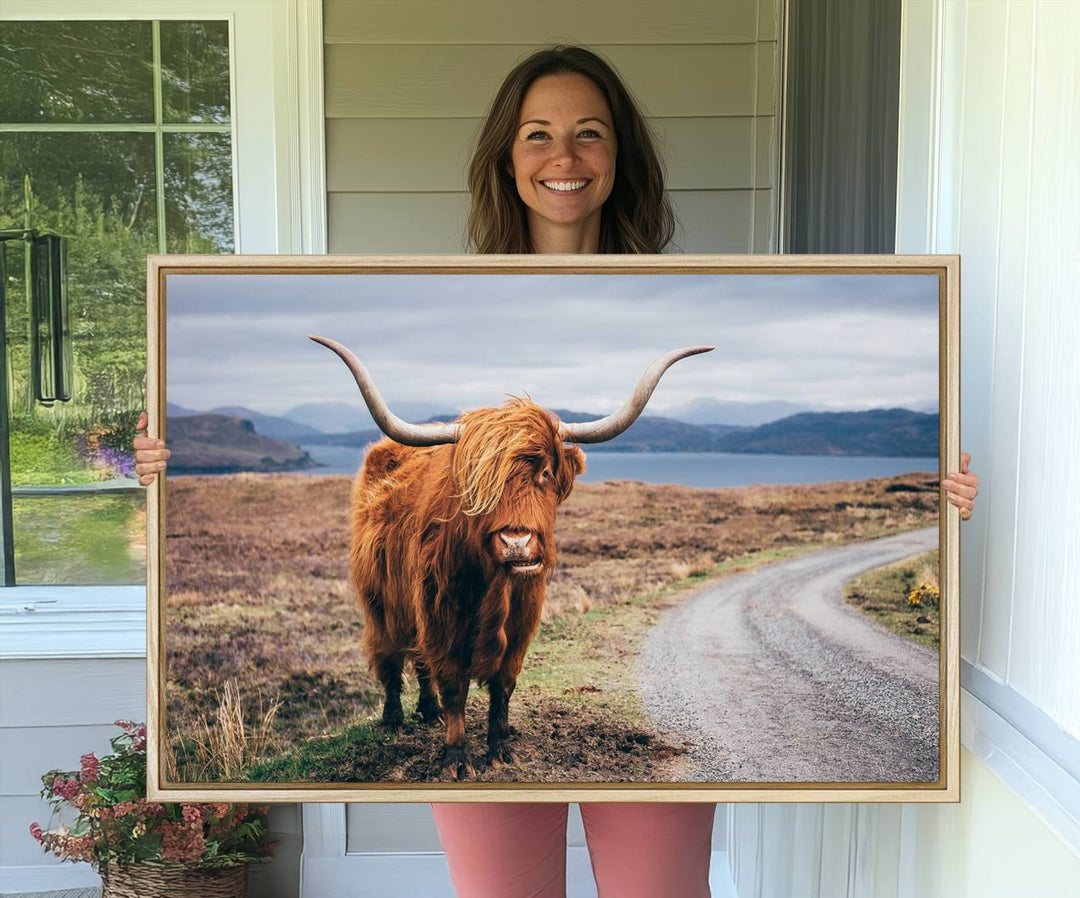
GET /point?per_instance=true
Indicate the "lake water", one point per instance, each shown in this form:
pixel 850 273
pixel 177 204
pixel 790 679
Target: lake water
pixel 700 469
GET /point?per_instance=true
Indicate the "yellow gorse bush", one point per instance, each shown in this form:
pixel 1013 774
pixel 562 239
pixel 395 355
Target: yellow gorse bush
pixel 924 592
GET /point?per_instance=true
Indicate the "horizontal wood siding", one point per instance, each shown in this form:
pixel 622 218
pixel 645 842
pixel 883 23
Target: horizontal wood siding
pixel 408 83
pixel 524 22
pixel 27 753
pixel 53 712
pixel 76 692
pixel 714 221
pixel 388 222
pixel 380 155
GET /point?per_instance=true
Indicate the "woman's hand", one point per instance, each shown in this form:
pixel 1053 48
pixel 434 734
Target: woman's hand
pixel 962 488
pixel 150 454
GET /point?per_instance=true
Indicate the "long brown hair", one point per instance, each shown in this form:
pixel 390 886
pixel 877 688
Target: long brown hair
pixel 637 216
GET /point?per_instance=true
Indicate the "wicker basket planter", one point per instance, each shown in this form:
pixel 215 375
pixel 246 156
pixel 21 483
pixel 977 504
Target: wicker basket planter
pixel 171 880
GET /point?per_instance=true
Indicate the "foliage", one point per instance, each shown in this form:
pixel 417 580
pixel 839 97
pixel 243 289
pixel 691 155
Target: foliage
pixel 924 592
pixel 106 277
pixel 85 539
pixel 271 606
pixel 99 189
pixel 77 452
pixel 38 458
pixel 115 824
pixel 883 594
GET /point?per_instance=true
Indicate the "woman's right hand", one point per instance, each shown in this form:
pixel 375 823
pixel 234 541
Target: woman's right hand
pixel 150 454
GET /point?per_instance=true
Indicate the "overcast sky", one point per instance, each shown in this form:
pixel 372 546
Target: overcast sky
pixel 569 341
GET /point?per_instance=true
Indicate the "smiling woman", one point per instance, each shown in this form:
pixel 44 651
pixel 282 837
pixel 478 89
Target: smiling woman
pixel 562 117
pixel 563 162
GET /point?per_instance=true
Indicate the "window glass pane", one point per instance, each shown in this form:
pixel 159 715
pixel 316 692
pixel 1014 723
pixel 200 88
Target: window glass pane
pixel 105 175
pixel 198 193
pixel 83 540
pixel 75 518
pixel 195 71
pixel 76 72
pixel 97 190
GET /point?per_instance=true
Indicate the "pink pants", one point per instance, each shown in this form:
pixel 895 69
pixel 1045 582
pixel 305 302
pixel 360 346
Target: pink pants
pixel 518 850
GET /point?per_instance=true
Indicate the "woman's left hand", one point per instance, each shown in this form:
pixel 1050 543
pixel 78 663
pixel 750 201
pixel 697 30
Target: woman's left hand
pixel 962 488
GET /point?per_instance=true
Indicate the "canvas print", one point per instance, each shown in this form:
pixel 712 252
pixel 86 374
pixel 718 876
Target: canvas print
pixel 672 529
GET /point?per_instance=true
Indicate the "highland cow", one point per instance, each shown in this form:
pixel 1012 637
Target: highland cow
pixel 452 543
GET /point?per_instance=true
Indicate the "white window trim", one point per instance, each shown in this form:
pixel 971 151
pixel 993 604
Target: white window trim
pixel 280 207
pixel 1025 748
pixel 73 622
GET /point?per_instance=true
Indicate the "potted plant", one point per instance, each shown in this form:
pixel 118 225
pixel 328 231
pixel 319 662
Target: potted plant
pixel 142 847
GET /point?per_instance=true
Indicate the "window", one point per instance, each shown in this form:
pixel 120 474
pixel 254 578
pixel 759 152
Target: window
pixel 116 135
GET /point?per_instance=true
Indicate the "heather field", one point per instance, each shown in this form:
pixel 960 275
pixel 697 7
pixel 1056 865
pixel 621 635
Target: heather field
pixel 265 680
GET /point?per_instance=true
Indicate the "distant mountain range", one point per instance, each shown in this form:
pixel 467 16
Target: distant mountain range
pixel 224 444
pixel 895 432
pixel 739 414
pixel 339 417
pixel 313 418
pixel 279 428
pixel 239 439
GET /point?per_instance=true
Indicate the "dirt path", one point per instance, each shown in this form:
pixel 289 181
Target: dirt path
pixel 771 677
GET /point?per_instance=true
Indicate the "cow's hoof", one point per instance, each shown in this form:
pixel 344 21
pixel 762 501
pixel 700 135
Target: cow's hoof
pixel 429 714
pixel 392 722
pixel 501 753
pixel 456 766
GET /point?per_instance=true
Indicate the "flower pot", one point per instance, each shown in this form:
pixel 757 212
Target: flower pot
pixel 173 880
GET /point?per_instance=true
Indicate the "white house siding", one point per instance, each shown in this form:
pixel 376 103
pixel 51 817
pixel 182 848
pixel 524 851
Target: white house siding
pixel 53 711
pixel 408 83
pixel 989 143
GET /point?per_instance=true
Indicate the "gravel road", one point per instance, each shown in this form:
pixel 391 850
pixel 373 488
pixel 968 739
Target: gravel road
pixel 769 676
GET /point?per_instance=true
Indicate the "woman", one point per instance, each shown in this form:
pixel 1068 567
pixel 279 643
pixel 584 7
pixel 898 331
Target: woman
pixel 565 164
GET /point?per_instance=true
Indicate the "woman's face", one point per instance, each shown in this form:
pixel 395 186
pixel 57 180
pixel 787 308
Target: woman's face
pixel 563 154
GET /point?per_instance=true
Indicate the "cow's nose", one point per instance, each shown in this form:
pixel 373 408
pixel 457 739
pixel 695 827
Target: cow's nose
pixel 515 542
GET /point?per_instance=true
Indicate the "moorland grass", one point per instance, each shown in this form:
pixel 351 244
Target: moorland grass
pixel 258 591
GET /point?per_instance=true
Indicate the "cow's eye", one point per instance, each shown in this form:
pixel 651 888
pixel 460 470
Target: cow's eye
pixel 545 475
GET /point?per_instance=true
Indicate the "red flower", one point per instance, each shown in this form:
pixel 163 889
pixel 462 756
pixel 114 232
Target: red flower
pixel 89 767
pixel 65 788
pixel 36 831
pixel 181 842
pixel 192 814
pixel 150 808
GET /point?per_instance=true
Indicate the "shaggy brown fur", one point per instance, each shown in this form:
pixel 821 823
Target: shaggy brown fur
pixel 435 577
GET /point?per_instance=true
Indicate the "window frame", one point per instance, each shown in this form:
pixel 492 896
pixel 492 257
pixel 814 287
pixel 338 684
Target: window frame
pixel 276 95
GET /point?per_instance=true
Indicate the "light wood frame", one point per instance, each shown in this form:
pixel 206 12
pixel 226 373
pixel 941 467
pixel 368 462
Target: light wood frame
pixel 946 267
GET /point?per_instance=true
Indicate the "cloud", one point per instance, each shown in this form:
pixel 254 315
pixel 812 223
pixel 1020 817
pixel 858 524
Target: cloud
pixel 569 341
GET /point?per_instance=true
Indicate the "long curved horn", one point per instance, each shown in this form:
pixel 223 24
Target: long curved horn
pixel 610 427
pixel 389 423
